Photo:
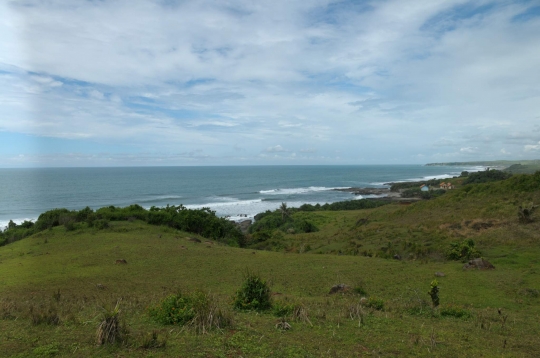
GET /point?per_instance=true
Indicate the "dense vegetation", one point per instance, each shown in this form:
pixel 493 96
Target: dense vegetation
pixel 202 222
pixel 486 176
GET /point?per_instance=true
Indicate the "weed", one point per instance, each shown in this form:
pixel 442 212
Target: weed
pixel 530 292
pixel 356 312
pixel 300 313
pixel 375 303
pixel 208 314
pixel 359 289
pixel 57 296
pixel 254 294
pixel 282 309
pixel 434 293
pixel 283 325
pixel 454 311
pixel 47 350
pixel 152 341
pixel 44 316
pixel 525 212
pixel 6 310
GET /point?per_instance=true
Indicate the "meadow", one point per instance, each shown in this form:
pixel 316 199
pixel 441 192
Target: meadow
pixel 57 285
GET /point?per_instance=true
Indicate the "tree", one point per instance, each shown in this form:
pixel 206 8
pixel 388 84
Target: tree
pixel 285 211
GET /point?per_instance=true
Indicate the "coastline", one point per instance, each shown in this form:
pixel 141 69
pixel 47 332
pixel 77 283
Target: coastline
pixel 236 193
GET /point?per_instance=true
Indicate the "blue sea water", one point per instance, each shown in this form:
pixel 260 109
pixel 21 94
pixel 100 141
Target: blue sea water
pixel 237 192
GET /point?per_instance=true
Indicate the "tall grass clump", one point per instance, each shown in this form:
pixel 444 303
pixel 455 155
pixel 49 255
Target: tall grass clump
pixel 254 294
pixel 43 315
pixel 110 330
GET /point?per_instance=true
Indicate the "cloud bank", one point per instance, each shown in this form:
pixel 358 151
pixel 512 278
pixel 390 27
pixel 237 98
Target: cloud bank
pixel 217 83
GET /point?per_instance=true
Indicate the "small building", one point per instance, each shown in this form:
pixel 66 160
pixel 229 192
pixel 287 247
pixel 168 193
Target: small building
pixel 446 186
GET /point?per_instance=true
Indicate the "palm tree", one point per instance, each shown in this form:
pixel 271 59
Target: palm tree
pixel 285 211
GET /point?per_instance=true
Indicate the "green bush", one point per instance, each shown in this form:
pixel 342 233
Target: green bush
pixel 198 310
pixel 463 250
pixel 175 309
pixel 50 219
pixel 254 294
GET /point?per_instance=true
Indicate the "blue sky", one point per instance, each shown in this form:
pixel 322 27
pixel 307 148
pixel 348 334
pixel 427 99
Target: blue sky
pixel 124 83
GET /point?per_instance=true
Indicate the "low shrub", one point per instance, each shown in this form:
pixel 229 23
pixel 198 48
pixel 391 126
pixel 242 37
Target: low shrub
pixel 174 309
pixel 197 310
pixel 101 224
pixel 254 294
pixel 464 250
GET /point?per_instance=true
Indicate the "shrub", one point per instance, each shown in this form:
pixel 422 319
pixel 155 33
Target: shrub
pixel 197 310
pixel 50 219
pixel 174 309
pixel 525 212
pixel 464 250
pixel 100 224
pixel 254 294
pixel 434 293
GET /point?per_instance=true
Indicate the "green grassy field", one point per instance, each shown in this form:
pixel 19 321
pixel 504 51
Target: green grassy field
pixel 71 276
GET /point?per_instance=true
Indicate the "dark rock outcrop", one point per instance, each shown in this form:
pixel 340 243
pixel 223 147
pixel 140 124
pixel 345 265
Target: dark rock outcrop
pixel 479 264
pixel 244 225
pixel 341 288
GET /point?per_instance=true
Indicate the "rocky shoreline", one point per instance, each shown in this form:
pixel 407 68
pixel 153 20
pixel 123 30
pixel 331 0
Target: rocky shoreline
pixel 385 194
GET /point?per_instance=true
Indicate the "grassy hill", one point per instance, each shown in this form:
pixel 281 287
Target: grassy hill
pixel 56 285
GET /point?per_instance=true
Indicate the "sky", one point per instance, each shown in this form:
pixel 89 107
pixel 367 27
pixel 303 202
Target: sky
pixel 267 82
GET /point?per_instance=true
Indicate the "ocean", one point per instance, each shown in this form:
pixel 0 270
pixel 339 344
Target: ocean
pixel 237 192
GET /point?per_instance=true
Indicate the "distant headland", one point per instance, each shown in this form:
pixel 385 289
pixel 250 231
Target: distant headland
pixel 511 166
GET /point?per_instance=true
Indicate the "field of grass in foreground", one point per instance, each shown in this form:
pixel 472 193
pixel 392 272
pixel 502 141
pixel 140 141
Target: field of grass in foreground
pixel 73 275
pixel 56 285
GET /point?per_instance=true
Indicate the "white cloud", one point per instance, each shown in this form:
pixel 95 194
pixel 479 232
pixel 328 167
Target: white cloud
pixel 276 149
pixel 530 148
pixel 469 150
pixel 389 78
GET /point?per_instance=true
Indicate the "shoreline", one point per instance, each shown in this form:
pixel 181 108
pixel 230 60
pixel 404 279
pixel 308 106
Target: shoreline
pixel 387 194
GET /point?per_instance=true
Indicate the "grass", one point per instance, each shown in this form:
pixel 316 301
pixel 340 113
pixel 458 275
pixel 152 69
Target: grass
pixel 54 285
